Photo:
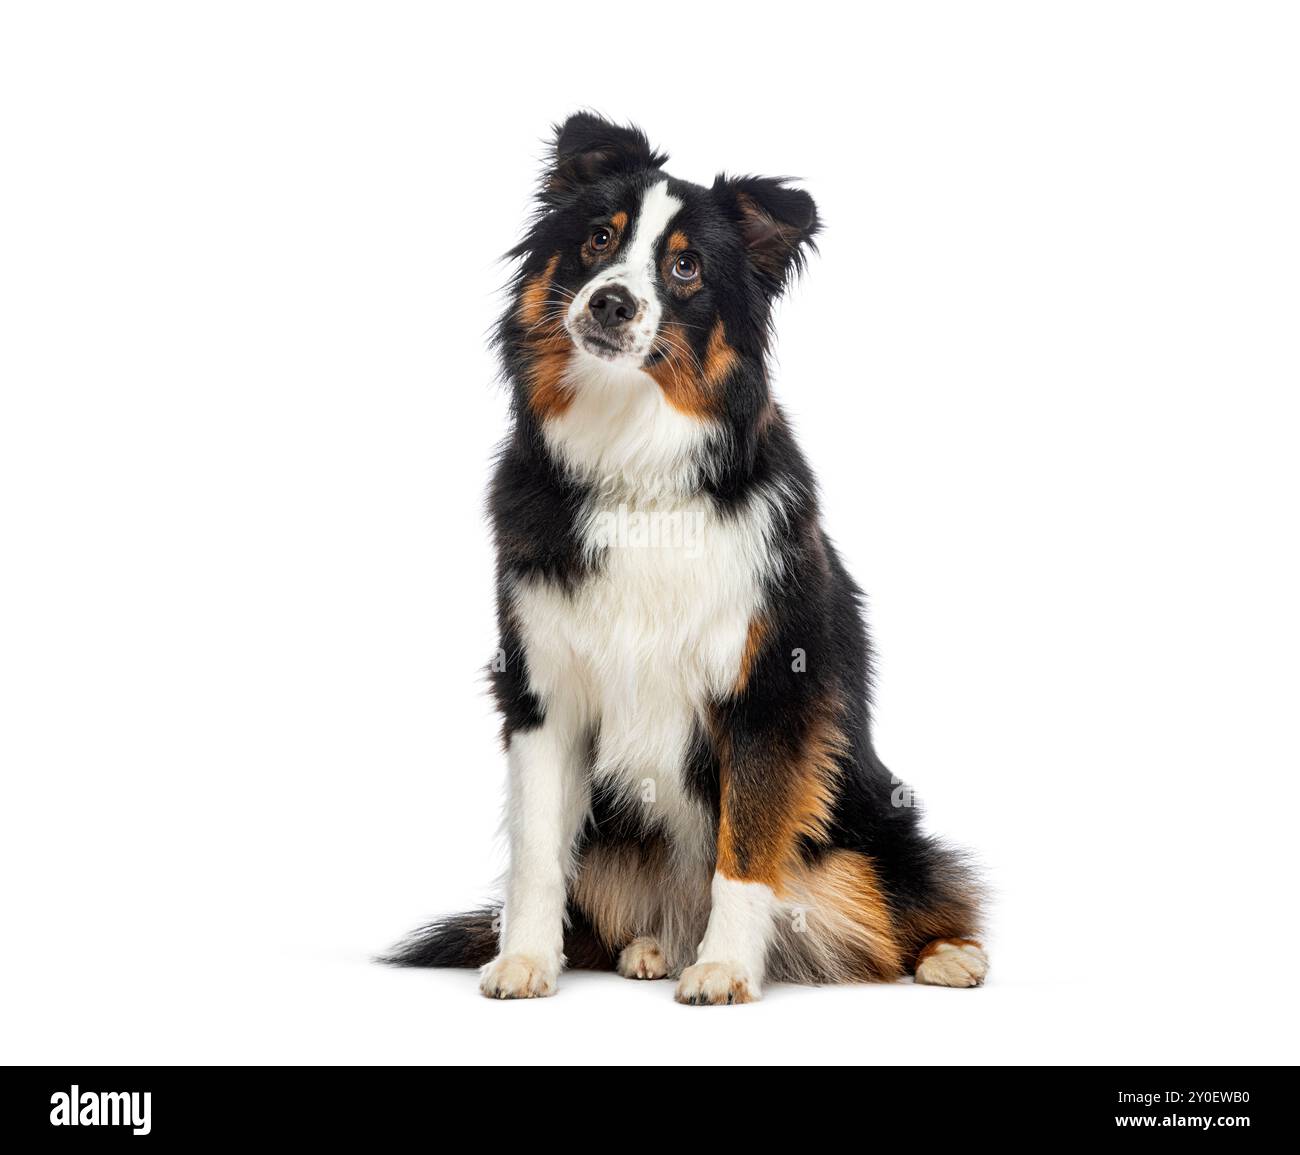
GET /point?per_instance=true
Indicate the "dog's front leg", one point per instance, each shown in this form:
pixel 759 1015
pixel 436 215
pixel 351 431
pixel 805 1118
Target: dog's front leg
pixel 731 961
pixel 549 799
pixel 776 762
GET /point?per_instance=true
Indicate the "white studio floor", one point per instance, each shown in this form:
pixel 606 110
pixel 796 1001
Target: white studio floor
pixel 1046 1002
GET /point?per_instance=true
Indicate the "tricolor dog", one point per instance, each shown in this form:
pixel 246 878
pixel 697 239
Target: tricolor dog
pixel 683 667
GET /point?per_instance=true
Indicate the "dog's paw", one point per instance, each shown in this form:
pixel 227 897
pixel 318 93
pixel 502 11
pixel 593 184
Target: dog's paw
pixel 713 984
pixel 952 962
pixel 642 959
pixel 518 976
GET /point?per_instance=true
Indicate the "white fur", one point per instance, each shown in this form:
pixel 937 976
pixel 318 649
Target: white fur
pixel 548 800
pixel 637 652
pixel 740 925
pixel 621 434
pixel 518 976
pixel 732 956
pixel 635 269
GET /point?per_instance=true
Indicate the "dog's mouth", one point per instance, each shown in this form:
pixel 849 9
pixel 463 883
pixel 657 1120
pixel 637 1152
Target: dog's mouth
pixel 601 345
pixel 592 341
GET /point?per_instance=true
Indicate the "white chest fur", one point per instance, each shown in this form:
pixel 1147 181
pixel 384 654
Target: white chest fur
pixel 635 653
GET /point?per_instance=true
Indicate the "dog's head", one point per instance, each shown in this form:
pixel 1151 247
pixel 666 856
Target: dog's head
pixel 628 274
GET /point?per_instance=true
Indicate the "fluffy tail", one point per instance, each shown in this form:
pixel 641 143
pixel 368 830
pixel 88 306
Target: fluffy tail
pixel 470 940
pixel 459 940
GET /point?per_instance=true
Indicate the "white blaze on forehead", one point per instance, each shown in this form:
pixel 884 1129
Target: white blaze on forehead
pixel 658 207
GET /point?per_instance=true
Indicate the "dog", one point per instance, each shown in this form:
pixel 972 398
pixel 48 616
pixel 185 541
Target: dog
pixel 683 672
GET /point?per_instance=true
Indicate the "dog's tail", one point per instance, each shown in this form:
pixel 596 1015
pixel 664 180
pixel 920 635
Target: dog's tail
pixel 471 940
pixel 459 940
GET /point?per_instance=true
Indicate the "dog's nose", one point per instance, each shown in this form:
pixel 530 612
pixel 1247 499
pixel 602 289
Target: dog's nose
pixel 612 305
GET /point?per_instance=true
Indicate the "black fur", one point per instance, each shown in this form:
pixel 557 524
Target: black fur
pixel 470 940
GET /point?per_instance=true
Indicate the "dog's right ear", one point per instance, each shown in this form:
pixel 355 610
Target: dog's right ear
pixel 588 147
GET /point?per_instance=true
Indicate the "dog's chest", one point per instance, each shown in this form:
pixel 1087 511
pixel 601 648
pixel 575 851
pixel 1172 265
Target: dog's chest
pixel 639 649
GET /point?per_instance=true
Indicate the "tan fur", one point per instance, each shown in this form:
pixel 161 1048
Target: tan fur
pixel 833 924
pixel 754 639
pixel 849 934
pixel 550 394
pixel 719 358
pixel 630 891
pixel 550 349
pixel 758 841
pixel 954 918
pixel 532 300
pixel 933 947
pixel 682 377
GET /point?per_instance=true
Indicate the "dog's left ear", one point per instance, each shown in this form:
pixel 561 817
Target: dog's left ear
pixel 777 222
pixel 588 147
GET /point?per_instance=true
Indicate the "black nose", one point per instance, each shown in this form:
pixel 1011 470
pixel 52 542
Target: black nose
pixel 612 305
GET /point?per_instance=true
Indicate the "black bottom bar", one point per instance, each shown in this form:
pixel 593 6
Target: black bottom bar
pixel 1215 1105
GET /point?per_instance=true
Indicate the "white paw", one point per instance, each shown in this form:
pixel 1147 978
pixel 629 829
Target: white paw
pixel 712 984
pixel 953 963
pixel 518 976
pixel 642 959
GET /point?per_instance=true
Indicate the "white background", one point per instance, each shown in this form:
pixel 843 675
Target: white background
pixel 1046 366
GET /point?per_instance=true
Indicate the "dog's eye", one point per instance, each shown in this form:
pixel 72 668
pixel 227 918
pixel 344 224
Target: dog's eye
pixel 686 267
pixel 600 239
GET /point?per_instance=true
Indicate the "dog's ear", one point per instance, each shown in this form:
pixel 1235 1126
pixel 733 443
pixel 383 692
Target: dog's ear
pixel 588 147
pixel 778 224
